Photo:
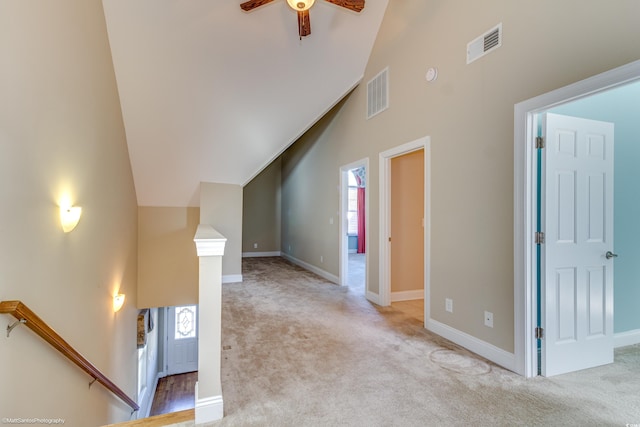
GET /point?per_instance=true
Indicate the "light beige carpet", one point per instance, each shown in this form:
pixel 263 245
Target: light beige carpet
pixel 300 351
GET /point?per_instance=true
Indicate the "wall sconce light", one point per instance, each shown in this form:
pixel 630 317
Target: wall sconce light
pixel 118 302
pixel 69 217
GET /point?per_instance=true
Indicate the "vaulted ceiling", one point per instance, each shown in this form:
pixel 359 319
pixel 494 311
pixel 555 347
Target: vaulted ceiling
pixel 211 93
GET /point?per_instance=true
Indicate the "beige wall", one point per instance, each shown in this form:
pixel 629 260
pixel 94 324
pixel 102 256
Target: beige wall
pixel 221 207
pixel 407 212
pixel 468 113
pixel 61 133
pixel 168 262
pixel 261 211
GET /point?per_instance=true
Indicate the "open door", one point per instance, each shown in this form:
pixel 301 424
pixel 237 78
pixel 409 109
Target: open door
pixel 353 226
pixel 577 253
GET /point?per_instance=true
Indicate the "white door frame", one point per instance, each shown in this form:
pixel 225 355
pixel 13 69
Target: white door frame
pixel 525 191
pixel 165 343
pixel 384 295
pixel 344 239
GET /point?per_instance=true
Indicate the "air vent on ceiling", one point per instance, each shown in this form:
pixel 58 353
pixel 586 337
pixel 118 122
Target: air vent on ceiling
pixel 484 44
pixel 378 93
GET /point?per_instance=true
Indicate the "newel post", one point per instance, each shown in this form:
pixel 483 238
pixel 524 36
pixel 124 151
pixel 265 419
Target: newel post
pixel 210 247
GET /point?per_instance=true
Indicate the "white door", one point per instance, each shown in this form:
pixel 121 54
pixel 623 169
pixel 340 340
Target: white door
pixel 182 339
pixel 577 219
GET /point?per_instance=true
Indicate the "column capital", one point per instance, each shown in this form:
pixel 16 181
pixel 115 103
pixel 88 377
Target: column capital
pixel 209 242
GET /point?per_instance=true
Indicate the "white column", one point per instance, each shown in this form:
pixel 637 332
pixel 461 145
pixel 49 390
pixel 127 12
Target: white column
pixel 210 247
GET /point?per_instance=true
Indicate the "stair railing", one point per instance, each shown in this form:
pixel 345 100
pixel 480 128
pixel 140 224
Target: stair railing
pixel 25 316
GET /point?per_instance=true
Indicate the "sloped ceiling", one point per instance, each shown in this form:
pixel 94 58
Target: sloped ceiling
pixel 211 93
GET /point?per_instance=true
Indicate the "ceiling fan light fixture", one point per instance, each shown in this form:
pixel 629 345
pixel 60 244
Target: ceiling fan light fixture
pixel 300 5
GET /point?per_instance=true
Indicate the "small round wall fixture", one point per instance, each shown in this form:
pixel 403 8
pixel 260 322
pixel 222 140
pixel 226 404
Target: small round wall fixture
pixel 432 74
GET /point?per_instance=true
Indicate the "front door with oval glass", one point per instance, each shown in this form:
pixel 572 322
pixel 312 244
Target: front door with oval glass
pixel 182 339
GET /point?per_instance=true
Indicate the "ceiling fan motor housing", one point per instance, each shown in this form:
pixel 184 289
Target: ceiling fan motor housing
pixel 302 7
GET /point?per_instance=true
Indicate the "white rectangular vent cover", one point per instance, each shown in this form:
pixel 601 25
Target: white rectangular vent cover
pixel 378 93
pixel 488 42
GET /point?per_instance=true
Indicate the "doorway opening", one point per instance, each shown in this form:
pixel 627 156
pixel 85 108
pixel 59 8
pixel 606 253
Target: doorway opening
pixel 407 235
pixel 422 146
pixel 177 374
pixel 530 305
pixel 354 211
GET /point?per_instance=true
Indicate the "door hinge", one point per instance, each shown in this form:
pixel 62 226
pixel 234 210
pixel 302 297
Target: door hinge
pixel 539 237
pixel 539 333
pixel 539 142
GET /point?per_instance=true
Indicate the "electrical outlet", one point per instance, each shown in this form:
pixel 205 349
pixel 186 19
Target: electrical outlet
pixel 330 220
pixel 448 305
pixel 321 258
pixel 488 319
pixel 255 246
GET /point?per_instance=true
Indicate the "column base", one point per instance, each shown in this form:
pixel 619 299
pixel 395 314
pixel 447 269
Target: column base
pixel 208 409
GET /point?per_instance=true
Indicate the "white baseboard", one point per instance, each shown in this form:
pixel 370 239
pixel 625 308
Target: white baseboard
pixel 260 254
pixel 208 409
pixel 623 339
pixel 488 351
pixel 144 413
pixel 330 277
pixel 407 295
pixel 232 278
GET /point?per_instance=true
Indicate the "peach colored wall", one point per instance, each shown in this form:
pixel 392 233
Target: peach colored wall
pixel 407 212
pixel 168 263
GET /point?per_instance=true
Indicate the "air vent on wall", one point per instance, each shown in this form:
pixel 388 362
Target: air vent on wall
pixel 378 93
pixel 484 44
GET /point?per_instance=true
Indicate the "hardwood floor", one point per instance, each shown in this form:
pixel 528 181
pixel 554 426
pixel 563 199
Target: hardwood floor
pixel 413 308
pixel 174 393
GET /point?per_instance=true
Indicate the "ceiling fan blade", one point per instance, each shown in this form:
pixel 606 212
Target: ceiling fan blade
pixel 252 4
pixel 355 5
pixel 304 23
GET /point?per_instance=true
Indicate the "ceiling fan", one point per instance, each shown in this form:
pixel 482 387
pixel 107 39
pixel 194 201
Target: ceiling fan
pixel 302 7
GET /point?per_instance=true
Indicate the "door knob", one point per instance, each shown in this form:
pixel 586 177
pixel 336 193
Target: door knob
pixel 610 255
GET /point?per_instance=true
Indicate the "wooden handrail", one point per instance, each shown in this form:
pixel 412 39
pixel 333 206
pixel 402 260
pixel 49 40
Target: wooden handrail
pixel 164 420
pixel 21 312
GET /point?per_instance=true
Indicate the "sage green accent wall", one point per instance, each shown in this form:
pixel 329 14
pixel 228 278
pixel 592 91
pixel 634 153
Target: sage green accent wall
pixel 62 136
pixel 310 198
pixel 468 112
pixel 621 106
pixel 261 211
